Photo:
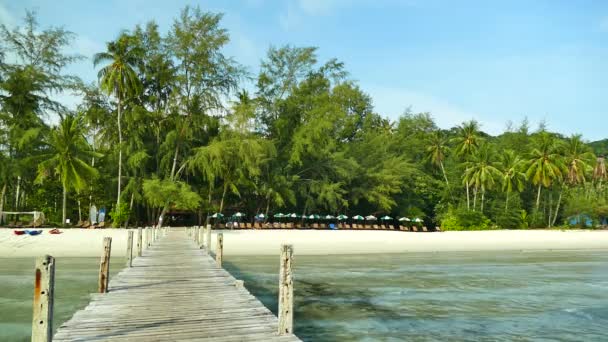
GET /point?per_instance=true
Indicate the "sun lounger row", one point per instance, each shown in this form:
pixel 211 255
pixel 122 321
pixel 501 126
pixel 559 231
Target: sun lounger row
pixel 299 225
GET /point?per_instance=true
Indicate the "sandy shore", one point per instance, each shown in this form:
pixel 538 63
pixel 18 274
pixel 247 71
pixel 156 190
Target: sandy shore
pixel 88 243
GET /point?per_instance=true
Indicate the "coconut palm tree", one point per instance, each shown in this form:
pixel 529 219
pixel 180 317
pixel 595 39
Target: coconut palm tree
pixel 599 171
pixel 67 157
pixel 118 78
pixel 545 165
pixel 481 173
pixel 513 178
pixel 467 142
pixel 436 152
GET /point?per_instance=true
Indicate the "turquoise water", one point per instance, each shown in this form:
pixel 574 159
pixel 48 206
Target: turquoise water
pixel 75 279
pixel 540 296
pixel 528 296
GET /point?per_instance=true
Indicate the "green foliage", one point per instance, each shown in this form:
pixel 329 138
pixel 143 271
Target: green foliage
pixel 463 219
pixel 120 215
pixel 179 195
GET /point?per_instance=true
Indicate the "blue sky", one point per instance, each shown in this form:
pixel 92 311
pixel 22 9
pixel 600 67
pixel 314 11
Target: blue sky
pixel 494 61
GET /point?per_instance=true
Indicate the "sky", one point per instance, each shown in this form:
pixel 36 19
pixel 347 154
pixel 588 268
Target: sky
pixel 492 61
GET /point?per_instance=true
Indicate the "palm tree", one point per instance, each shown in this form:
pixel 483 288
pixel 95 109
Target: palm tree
pixel 67 156
pixel 577 160
pixel 481 173
pixel 467 142
pixel 599 171
pixel 513 179
pixel 437 149
pixel 119 78
pixel 545 165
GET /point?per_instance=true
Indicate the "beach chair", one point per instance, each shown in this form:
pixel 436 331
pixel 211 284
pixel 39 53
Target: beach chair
pixel 298 225
pixel 315 226
pixel 424 229
pixel 391 227
pixel 289 225
pixel 323 226
pixel 414 228
pixel 248 225
pixel 86 224
pixel 283 225
pixel 375 226
pixel 257 225
pixel 437 228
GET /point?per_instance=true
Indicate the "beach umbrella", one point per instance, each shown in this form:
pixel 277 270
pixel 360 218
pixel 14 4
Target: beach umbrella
pixel 329 217
pixel 386 218
pixel 342 217
pixel 278 215
pixel 417 219
pixel 371 218
pixel 314 217
pixel 404 219
pixel 217 215
pixel 239 214
pixel 260 216
pixel 358 218
pixel 292 215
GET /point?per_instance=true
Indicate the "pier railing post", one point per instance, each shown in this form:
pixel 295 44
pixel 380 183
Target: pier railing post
pixel 44 289
pixel 139 241
pixel 219 250
pixel 286 291
pixel 104 267
pixel 148 237
pixel 130 249
pixel 201 236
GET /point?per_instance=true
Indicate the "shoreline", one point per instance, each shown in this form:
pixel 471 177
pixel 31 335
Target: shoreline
pixel 88 242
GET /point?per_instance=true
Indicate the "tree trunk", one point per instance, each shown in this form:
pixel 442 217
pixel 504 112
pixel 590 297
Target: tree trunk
pixel 64 205
pixel 174 161
pixel 223 196
pixel 2 202
pixel 559 201
pixel 17 193
pixel 538 198
pixel 267 208
pixel 444 175
pixel 550 209
pixel 130 210
pixel 483 195
pixel 507 202
pixel 119 150
pixel 474 198
pixel 79 212
pixel 468 201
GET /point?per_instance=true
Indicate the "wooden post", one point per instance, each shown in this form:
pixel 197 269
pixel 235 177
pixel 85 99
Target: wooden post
pixel 286 291
pixel 130 249
pixel 44 289
pixel 148 237
pixel 201 237
pixel 196 234
pixel 139 242
pixel 208 238
pixel 219 250
pixel 104 267
pixel 239 284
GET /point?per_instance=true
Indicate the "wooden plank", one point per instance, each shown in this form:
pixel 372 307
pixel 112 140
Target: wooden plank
pixel 176 291
pixel 44 290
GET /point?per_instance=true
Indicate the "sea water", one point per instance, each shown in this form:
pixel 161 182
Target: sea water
pixel 501 296
pixel 75 279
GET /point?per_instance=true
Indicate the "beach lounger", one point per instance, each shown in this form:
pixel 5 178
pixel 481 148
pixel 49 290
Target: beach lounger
pixel 289 225
pixel 424 229
pixel 438 229
pixel 257 225
pixel 375 226
pixel 391 227
pixel 248 225
pixel 323 226
pixel 414 228
pixel 298 225
pixel 315 226
pixel 283 225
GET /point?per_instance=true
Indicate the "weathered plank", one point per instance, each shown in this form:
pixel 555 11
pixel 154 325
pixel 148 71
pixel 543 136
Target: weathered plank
pixel 175 291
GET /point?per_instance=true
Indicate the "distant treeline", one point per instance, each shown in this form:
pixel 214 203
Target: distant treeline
pixel 169 127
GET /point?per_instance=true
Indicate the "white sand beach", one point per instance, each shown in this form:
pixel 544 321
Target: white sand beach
pixel 88 243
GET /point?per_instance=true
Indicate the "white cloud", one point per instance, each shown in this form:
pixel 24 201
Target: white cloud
pixel 6 17
pixel 392 102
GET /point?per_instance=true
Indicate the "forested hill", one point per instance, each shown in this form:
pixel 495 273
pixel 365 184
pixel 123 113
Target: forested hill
pixel 168 129
pixel 599 147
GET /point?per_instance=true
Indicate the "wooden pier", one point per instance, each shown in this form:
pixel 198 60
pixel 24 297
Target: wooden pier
pixel 174 292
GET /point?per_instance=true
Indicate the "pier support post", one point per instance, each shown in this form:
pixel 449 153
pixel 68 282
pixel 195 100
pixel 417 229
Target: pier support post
pixel 286 291
pixel 44 289
pixel 208 238
pixel 219 250
pixel 148 237
pixel 201 236
pixel 104 266
pixel 139 241
pixel 130 249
